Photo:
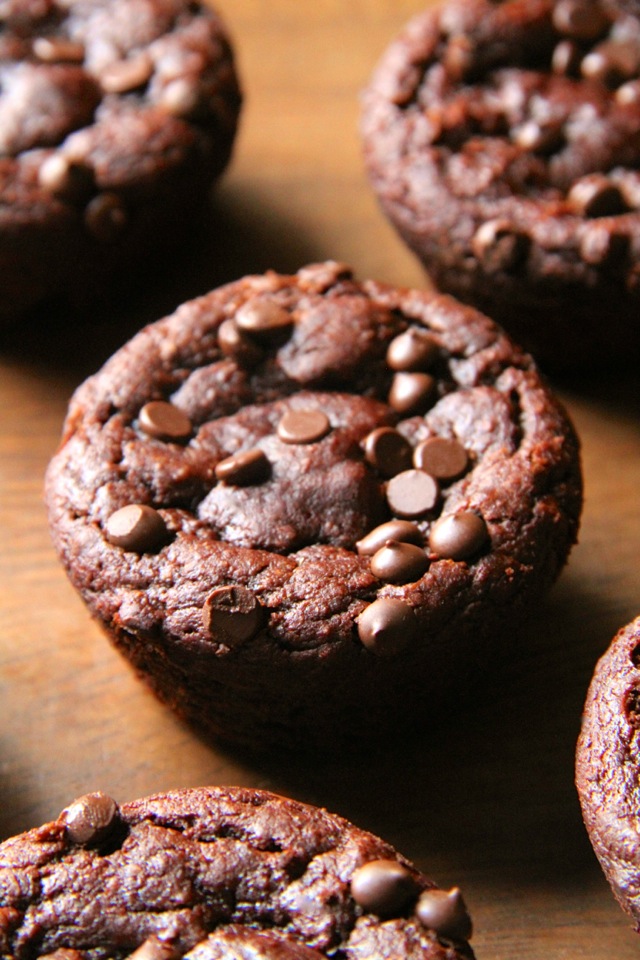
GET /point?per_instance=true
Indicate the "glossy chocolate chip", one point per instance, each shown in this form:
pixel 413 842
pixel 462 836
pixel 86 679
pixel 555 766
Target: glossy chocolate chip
pixel 580 19
pixel 612 62
pixel 62 177
pixel 387 626
pixel 412 350
pixel 263 318
pixel 628 93
pixel 398 562
pixel 58 50
pixel 124 75
pixel 244 469
pixel 154 948
pixel 105 217
pixel 388 451
pixel 401 530
pixel 137 528
pixel 458 536
pixel 412 493
pixel 601 245
pixel 595 196
pixel 566 58
pixel 412 392
pixel 163 421
pixel 384 887
pixel 538 137
pixel 499 245
pixel 237 345
pixel 445 912
pixel 232 614
pixel 443 458
pixel 181 97
pixel 90 818
pixel 303 426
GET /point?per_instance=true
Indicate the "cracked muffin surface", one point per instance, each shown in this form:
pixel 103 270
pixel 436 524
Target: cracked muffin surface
pixel 213 873
pixel 501 139
pixel 308 509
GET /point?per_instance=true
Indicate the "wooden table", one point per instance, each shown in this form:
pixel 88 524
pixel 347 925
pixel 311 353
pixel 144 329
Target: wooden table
pixel 486 802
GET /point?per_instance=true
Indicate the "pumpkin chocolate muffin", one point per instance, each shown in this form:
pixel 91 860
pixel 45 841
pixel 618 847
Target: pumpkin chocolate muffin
pixel 503 142
pixel 311 511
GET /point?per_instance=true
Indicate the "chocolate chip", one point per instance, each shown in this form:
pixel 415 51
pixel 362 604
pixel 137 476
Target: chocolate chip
pixel 164 421
pixel 628 93
pixel 383 887
pixel 136 527
pixel 412 392
pixel 499 245
pixel 232 614
pixel 601 245
pixel 566 58
pixel 458 536
pixel 412 493
pixel 444 459
pixel 538 137
pixel 303 426
pixel 124 75
pixel 412 350
pixel 58 49
pixel 579 19
pixel 387 626
pixel 89 819
pixel 155 948
pixel 402 530
pixel 445 913
pixel 263 318
pixel 632 707
pixel 318 277
pixel 244 469
pixel 234 343
pixel 105 217
pixel 63 177
pixel 595 196
pixel 397 562
pixel 387 450
pixel 181 97
pixel 612 62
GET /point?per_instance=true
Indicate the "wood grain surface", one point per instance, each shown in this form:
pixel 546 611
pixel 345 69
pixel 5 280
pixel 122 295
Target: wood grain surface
pixel 486 800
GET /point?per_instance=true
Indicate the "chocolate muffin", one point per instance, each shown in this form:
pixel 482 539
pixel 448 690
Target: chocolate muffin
pixel 115 119
pixel 309 510
pixel 503 142
pixel 607 764
pixel 218 873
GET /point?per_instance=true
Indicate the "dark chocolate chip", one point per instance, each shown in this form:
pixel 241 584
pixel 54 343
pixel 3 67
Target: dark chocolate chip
pixel 105 217
pixel 318 277
pixel 412 392
pixel 580 19
pixel 398 562
pixel 412 350
pixel 412 493
pixel 58 49
pixel 263 318
pixel 232 614
pixel 61 176
pixel 628 93
pixel 595 196
pixel 445 913
pixel 244 469
pixel 90 818
pixel 136 527
pixel 164 421
pixel 124 75
pixel 499 245
pixel 303 426
pixel 443 458
pixel 384 887
pixel 402 530
pixel 566 58
pixel 387 626
pixel 155 948
pixel 612 62
pixel 458 536
pixel 601 245
pixel 387 450
pixel 181 97
pixel 634 655
pixel 234 343
pixel 632 707
pixel 539 138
